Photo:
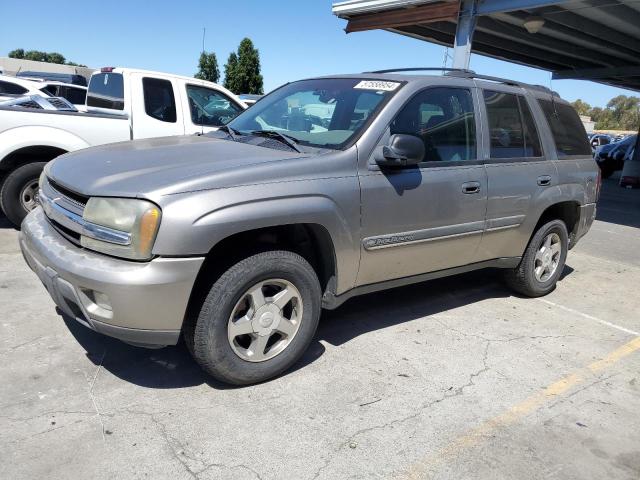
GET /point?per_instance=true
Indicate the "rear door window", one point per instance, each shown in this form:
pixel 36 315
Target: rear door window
pixel 106 90
pixel 159 101
pixel 512 130
pixel 566 128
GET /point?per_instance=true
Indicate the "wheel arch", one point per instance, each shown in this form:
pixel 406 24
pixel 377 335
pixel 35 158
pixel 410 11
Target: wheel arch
pixel 568 211
pixel 312 241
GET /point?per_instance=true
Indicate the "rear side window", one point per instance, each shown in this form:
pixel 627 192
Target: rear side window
pixel 106 90
pixel 443 119
pixel 511 126
pixel 159 102
pixel 9 88
pixel 567 129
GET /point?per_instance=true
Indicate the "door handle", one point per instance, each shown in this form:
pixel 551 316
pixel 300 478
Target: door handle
pixel 470 187
pixel 544 180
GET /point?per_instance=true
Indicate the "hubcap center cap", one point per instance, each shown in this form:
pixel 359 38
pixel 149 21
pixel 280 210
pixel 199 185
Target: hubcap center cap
pixel 266 319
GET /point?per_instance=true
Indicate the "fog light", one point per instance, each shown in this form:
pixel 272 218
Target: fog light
pixel 102 300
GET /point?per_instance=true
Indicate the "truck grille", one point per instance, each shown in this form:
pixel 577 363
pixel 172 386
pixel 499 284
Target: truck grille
pixel 70 196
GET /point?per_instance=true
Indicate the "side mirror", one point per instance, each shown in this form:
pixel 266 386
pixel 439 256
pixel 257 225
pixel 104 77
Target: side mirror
pixel 403 151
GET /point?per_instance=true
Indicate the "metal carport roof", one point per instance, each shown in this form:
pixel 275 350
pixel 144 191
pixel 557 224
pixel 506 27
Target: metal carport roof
pixel 582 39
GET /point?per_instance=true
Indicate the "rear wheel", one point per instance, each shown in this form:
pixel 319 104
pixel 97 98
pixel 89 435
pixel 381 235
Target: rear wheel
pixel 258 318
pixel 542 262
pixel 19 192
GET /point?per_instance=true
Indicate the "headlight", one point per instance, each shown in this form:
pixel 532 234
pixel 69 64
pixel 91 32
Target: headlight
pixel 131 227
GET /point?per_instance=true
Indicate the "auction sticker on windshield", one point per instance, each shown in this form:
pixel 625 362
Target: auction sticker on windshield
pixel 377 85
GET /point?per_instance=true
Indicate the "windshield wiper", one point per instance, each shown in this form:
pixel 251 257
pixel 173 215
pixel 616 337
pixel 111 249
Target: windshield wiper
pixel 286 139
pixel 232 133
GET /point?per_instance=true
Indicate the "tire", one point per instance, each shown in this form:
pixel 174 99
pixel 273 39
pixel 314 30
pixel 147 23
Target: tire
pixel 230 359
pixel 16 183
pixel 524 279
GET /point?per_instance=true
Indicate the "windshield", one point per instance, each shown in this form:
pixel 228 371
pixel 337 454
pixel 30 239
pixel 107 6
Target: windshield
pixel 325 113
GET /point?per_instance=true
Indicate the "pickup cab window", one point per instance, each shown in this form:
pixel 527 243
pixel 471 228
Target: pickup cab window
pixel 8 88
pixel 159 101
pixel 323 113
pixel 210 107
pixel 106 90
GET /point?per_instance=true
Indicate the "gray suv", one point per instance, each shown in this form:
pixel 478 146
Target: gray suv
pixel 325 189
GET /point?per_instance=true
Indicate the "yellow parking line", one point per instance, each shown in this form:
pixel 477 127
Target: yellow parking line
pixel 421 468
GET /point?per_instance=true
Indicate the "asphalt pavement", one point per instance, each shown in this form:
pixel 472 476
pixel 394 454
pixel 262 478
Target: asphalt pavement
pixel 449 379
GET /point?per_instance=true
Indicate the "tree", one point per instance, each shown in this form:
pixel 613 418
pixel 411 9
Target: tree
pixel 230 77
pixel 581 107
pixel 38 56
pixel 17 53
pixel 208 67
pixel 621 113
pixel 242 71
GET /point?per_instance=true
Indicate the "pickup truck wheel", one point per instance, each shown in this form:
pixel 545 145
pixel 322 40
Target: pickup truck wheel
pixel 543 261
pixel 258 318
pixel 19 192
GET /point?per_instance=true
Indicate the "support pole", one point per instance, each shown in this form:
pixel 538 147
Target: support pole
pixel 464 34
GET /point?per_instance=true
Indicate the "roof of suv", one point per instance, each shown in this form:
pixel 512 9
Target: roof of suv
pixel 398 76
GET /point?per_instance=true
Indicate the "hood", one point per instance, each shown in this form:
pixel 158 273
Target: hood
pixel 162 166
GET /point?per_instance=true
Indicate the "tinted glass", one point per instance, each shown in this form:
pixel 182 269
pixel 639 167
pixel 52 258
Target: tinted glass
pixel 106 90
pixel 210 107
pixel 327 113
pixel 505 125
pixel 77 96
pixel 159 102
pixel 443 119
pixel 531 140
pixel 567 129
pixel 9 88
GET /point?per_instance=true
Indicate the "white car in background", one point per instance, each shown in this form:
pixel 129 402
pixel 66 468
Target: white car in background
pixel 13 87
pixel 122 104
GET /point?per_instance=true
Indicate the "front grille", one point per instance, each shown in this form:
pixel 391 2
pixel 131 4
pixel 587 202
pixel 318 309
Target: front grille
pixel 67 233
pixel 73 197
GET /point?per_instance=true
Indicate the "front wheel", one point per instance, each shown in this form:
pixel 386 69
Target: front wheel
pixel 19 191
pixel 542 262
pixel 258 318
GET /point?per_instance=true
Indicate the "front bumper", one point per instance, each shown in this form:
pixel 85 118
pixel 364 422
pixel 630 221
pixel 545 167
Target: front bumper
pixel 146 302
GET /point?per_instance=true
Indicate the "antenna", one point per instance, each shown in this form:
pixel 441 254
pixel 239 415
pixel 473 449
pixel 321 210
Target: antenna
pixel 204 33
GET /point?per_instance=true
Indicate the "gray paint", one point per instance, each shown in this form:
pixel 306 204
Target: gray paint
pixel 387 227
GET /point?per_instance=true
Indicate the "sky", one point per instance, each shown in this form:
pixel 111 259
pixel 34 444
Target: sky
pixel 296 39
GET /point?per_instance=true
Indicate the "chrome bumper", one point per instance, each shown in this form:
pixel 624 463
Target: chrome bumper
pixel 141 303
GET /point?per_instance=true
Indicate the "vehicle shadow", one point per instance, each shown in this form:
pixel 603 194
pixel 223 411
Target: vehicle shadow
pixel 173 367
pixel 4 223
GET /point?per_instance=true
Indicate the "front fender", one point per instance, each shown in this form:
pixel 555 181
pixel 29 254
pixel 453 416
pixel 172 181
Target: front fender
pixel 215 215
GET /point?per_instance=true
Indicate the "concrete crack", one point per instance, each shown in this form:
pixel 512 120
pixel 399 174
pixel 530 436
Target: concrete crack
pixel 91 396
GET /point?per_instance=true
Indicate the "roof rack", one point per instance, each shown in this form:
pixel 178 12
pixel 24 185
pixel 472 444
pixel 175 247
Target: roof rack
pixel 423 69
pixel 463 73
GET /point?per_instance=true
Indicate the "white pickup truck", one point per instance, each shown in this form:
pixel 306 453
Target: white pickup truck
pixel 122 104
